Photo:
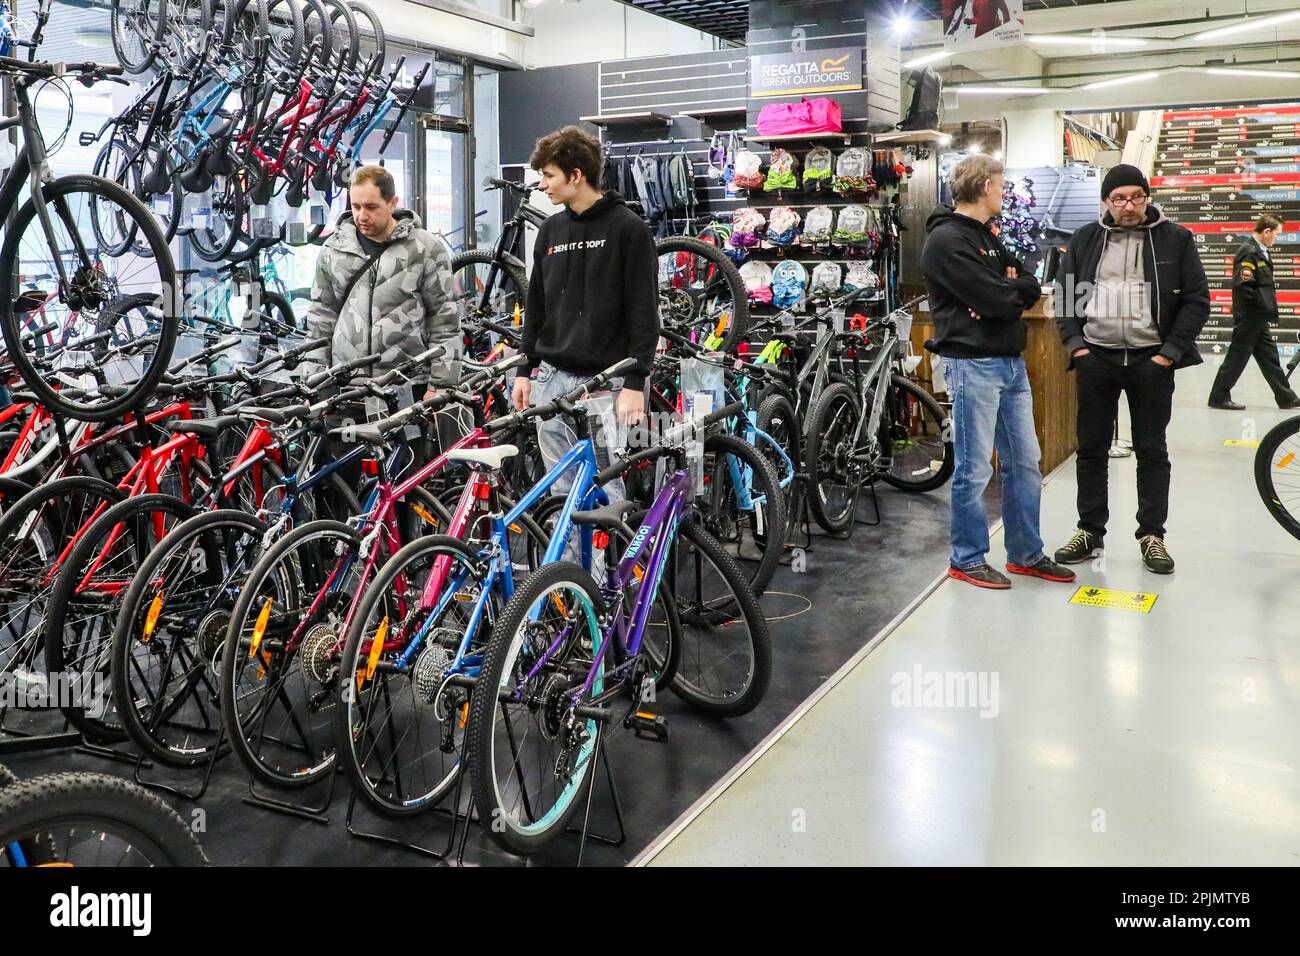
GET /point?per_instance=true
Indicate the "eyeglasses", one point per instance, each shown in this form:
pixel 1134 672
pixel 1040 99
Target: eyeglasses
pixel 1134 201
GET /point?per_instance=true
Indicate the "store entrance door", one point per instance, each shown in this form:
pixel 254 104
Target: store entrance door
pixel 446 179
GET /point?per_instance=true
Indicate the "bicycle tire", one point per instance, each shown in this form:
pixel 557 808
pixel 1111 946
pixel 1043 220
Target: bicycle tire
pixel 937 477
pixel 214 245
pixel 366 18
pixel 727 276
pixel 343 31
pixel 59 655
pixel 768 531
pixel 97 803
pixel 837 396
pixel 316 22
pixel 721 613
pixel 288 40
pixel 346 726
pixel 188 23
pixel 134 626
pixel 514 272
pixel 480 736
pixel 168 295
pixel 229 686
pixel 148 28
pixel 245 23
pixel 123 169
pixel 1266 481
pixel 778 420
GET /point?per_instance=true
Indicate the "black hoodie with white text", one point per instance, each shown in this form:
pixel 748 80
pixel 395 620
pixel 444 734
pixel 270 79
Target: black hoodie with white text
pixel 976 308
pixel 593 299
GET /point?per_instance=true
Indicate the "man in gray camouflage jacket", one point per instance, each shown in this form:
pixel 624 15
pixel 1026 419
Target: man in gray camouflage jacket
pixel 383 284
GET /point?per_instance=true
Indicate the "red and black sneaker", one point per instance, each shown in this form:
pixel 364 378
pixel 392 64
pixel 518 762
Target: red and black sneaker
pixel 982 576
pixel 1044 568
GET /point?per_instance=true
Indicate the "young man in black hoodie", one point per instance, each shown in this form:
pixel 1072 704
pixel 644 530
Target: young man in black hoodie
pixel 977 295
pixel 593 299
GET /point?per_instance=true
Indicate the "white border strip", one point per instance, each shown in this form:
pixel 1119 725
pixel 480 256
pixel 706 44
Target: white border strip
pixel 689 816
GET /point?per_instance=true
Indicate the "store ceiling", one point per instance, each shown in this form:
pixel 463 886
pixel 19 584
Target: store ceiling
pixel 730 18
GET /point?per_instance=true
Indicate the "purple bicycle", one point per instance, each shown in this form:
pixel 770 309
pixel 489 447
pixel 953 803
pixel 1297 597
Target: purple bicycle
pixel 568 661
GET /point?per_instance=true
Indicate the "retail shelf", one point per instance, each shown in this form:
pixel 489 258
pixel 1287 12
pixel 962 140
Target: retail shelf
pixel 628 119
pixel 709 116
pixel 844 138
pixel 909 136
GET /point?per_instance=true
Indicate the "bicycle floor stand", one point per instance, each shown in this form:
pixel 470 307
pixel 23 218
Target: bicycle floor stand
pixel 585 832
pixel 799 517
pixel 875 506
pixel 141 763
pixel 15 741
pixel 303 811
pixel 454 813
pixel 1118 447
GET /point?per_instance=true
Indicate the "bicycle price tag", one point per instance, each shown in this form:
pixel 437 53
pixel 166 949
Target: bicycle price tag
pixel 261 221
pixel 317 212
pixel 695 463
pixel 161 205
pixel 837 320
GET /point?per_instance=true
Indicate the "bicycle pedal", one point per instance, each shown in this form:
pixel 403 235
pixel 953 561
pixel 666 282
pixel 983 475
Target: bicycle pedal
pixel 648 726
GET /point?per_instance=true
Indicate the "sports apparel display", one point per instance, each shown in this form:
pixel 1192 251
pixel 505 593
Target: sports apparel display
pixel 853 173
pixel 747 228
pixel 827 278
pixel 851 228
pixel 789 285
pixel 818 226
pixel 782 172
pixel 757 277
pixel 749 173
pixel 818 169
pixel 860 278
pixel 821 115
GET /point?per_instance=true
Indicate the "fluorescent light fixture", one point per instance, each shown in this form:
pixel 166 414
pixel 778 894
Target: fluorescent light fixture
pixel 1242 26
pixel 1121 80
pixel 1066 40
pixel 1003 90
pixel 927 58
pixel 903 24
pixel 1278 74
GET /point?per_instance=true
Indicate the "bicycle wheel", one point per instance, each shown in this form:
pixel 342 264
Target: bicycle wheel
pixel 171 632
pixel 700 290
pixel 780 422
pixel 834 472
pixel 243 23
pixel 344 36
pixel 530 755
pixel 279 665
pixel 1277 474
pixel 316 23
pixel 34 532
pixel 80 281
pixel 480 294
pixel 91 819
pixel 116 163
pixel 399 727
pixel 916 438
pixel 187 23
pixel 743 506
pixel 136 26
pixel 725 663
pixel 85 601
pixel 285 29
pixel 215 241
pixel 370 37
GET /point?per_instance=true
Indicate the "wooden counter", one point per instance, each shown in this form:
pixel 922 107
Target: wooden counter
pixel 1055 402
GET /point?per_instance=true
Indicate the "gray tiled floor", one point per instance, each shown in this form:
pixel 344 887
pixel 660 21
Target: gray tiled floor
pixel 1118 738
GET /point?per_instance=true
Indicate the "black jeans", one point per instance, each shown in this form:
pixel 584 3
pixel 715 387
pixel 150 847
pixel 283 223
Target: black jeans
pixel 1150 390
pixel 1251 337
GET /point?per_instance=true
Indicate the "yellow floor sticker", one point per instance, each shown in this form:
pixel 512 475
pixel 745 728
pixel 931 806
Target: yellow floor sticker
pixel 1115 600
pixel 1238 443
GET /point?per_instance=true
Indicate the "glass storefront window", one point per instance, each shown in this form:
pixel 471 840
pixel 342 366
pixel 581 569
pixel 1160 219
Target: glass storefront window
pixel 449 88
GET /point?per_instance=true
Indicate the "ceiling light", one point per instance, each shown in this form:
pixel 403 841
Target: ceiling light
pixel 1064 40
pixel 1003 90
pixel 1280 74
pixel 997 154
pixel 945 139
pixel 1254 23
pixel 1120 80
pixel 974 148
pixel 928 58
pixel 903 24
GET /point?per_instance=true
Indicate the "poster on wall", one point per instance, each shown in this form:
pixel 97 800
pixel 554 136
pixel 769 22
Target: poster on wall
pixel 982 24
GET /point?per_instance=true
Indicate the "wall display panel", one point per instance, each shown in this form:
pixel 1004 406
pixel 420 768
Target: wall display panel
pixel 1216 171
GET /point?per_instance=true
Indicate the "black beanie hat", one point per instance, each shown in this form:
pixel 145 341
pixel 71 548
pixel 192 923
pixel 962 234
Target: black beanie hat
pixel 1123 175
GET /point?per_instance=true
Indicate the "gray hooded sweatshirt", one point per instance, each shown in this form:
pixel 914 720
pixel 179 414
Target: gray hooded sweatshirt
pixel 402 305
pixel 1119 311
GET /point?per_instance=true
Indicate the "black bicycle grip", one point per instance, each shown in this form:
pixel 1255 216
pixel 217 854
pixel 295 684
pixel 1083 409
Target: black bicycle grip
pixel 41 330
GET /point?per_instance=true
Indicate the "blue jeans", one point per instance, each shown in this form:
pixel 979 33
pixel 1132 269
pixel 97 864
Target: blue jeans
pixel 992 407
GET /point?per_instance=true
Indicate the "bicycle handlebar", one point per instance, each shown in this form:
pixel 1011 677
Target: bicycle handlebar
pixel 669 443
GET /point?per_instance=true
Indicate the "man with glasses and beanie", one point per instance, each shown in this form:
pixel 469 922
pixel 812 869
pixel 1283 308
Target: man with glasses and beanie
pixel 1254 308
pixel 977 295
pixel 1131 298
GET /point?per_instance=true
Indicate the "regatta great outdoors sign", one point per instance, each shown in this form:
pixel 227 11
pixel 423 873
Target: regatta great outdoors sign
pixel 784 74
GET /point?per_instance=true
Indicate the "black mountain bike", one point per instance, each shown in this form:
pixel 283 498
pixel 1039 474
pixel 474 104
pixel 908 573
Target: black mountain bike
pixel 53 260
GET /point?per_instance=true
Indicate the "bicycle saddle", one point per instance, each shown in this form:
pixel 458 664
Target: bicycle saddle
pixel 611 515
pixel 491 457
pixel 201 427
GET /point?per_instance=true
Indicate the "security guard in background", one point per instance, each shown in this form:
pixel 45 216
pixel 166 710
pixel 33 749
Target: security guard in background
pixel 1254 306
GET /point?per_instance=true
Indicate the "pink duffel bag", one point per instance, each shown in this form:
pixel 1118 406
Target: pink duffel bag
pixel 821 115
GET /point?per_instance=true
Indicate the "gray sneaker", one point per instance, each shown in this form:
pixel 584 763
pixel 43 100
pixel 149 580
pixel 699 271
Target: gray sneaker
pixel 1154 555
pixel 1081 547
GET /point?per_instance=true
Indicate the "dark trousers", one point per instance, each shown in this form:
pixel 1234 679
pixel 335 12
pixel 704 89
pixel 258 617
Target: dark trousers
pixel 1251 337
pixel 1149 387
